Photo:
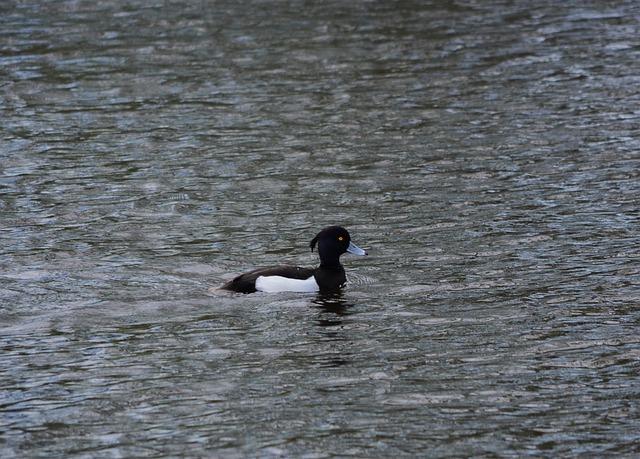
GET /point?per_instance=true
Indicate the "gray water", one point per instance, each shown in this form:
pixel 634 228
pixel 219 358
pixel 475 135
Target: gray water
pixel 486 154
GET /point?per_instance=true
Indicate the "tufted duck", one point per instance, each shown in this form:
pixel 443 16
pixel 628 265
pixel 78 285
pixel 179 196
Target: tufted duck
pixel 332 242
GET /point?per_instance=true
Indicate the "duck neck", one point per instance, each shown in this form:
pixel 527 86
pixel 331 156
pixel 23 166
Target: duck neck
pixel 335 265
pixel 329 260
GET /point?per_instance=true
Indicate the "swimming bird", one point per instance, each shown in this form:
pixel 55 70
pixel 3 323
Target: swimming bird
pixel 332 242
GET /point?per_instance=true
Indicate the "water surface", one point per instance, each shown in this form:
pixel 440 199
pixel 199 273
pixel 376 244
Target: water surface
pixel 485 154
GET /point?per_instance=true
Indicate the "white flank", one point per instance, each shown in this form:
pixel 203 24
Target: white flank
pixel 274 284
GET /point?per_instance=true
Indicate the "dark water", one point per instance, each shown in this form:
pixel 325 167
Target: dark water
pixel 486 154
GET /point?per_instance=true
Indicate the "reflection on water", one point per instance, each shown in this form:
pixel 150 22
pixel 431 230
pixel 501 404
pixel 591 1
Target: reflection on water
pixel 487 154
pixel 332 307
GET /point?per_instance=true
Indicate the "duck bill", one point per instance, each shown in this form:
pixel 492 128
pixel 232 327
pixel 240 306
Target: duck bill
pixel 354 249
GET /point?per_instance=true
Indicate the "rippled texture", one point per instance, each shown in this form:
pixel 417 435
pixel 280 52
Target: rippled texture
pixel 484 153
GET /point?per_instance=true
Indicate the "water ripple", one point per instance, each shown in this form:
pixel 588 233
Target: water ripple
pixel 485 155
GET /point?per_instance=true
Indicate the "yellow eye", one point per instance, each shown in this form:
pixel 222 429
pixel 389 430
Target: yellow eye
pixel 340 238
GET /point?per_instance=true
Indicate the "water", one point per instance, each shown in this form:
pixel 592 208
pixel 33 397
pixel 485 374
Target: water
pixel 485 154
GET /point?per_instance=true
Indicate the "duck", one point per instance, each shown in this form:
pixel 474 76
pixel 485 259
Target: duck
pixel 329 277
